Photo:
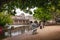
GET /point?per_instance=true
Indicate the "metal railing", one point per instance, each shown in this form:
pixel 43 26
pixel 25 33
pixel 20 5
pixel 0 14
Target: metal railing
pixel 14 30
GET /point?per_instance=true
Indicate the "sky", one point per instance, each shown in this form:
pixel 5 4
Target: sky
pixel 18 11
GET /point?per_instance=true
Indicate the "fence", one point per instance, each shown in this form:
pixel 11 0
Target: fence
pixel 16 30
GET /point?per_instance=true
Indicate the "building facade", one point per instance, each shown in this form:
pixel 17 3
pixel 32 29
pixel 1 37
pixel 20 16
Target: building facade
pixel 30 18
pixel 20 20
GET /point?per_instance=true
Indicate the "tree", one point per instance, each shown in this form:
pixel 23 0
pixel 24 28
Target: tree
pixel 54 10
pixel 42 15
pixel 23 4
pixel 5 19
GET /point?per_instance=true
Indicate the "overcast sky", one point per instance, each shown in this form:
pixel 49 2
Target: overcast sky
pixel 19 12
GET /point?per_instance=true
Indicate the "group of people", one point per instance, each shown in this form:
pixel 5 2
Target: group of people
pixel 34 25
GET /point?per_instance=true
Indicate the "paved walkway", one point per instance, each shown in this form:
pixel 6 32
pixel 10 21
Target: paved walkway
pixel 47 33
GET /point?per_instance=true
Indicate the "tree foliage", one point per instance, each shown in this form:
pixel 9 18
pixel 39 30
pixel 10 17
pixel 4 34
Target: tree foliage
pixel 42 14
pixel 5 19
pixel 23 4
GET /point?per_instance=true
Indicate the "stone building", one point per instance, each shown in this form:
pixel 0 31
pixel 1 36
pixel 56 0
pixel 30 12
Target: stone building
pixel 20 20
pixel 20 25
pixel 30 18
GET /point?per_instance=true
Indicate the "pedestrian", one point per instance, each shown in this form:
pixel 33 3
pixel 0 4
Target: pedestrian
pixel 30 23
pixel 34 27
pixel 37 25
pixel 40 25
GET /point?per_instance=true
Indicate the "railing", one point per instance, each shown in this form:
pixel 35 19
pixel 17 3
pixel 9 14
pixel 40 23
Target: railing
pixel 19 30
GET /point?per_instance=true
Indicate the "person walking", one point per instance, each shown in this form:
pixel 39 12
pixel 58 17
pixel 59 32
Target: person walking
pixel 34 27
pixel 37 25
pixel 41 24
pixel 30 23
